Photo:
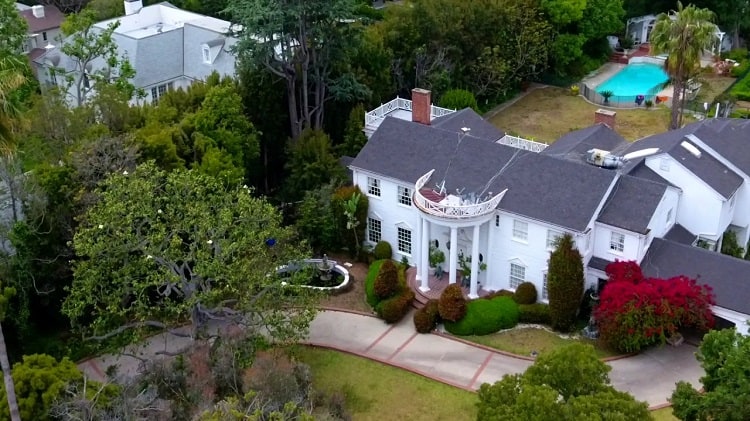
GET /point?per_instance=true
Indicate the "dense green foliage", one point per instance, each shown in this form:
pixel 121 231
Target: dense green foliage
pixel 730 246
pixel 537 313
pixel 452 303
pixel 485 316
pixel 386 283
pixel 567 384
pixel 427 317
pixel 349 208
pixel 726 386
pixel 311 164
pixel 393 309
pixel 386 290
pixel 525 293
pixel 564 283
pixel 372 274
pixel 382 250
pixel 458 99
pixel 40 380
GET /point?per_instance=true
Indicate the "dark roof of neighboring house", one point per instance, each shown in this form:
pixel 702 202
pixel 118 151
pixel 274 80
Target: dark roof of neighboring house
pixel 728 276
pixel 717 175
pixel 730 137
pixel 632 204
pixel 680 234
pixel 598 263
pixel 52 19
pixel 540 187
pixel 468 118
pixel 576 143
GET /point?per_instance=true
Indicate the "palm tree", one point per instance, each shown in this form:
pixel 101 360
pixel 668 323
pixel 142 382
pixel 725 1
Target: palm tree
pixel 11 79
pixel 683 39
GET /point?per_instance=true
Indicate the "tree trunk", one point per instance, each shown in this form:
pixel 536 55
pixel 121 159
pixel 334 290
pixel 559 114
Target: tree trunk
pixel 674 121
pixel 291 93
pixel 10 388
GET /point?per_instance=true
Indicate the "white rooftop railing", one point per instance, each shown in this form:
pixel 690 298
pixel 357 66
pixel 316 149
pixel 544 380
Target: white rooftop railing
pixel 396 104
pixel 451 210
pixel 521 143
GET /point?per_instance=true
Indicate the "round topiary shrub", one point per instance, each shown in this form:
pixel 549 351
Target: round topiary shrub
pixel 452 304
pixel 386 283
pixel 486 316
pixel 525 293
pixel 395 308
pixel 426 318
pixel 383 250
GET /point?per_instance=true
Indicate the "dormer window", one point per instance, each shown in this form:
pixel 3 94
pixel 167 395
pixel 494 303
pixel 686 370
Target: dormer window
pixel 206 54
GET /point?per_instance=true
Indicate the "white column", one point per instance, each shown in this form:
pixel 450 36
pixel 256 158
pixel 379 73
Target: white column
pixel 453 256
pixel 424 261
pixel 474 263
pixel 490 243
pixel 416 248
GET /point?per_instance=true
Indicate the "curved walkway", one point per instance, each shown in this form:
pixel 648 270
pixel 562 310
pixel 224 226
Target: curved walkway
pixel 649 376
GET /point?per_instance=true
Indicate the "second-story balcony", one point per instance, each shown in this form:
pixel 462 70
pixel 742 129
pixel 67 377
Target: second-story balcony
pixel 452 206
pixel 399 108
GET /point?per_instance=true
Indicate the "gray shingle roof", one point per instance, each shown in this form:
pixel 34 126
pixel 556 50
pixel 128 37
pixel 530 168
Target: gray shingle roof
pixel 680 234
pixel 598 263
pixel 728 137
pixel 717 175
pixel 540 187
pixel 728 276
pixel 480 128
pixel 640 170
pixel 632 204
pixel 575 144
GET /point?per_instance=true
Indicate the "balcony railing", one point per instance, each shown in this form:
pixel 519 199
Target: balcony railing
pixel 453 211
pixel 521 143
pixel 371 117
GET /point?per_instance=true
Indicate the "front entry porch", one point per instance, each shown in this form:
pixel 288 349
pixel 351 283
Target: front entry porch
pixel 437 285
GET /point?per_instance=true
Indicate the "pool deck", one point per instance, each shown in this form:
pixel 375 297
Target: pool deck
pixel 603 73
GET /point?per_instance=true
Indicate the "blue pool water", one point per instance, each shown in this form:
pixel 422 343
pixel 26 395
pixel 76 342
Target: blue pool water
pixel 635 79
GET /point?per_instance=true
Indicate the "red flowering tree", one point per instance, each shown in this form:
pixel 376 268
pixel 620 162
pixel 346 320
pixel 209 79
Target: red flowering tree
pixel 635 311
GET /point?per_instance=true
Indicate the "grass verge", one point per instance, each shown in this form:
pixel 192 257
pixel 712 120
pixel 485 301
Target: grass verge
pixel 522 341
pixel 375 391
pixel 664 414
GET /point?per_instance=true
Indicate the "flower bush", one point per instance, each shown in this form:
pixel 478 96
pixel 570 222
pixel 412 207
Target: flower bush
pixel 635 311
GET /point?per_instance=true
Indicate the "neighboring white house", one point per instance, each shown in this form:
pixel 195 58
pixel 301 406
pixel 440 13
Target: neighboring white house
pixel 43 28
pixel 639 30
pixel 169 48
pixel 453 180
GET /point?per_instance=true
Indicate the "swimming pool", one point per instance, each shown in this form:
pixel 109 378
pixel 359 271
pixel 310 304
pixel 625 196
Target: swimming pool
pixel 635 79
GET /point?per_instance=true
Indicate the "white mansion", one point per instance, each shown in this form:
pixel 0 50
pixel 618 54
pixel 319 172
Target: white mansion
pixel 451 179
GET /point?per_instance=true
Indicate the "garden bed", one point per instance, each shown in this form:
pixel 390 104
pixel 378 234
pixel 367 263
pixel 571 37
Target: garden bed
pixel 524 339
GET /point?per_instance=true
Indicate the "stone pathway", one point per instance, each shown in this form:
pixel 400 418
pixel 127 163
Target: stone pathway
pixel 649 376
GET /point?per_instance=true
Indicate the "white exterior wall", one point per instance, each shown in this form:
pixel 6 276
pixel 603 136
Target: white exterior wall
pixel 700 209
pixel 391 213
pixel 602 236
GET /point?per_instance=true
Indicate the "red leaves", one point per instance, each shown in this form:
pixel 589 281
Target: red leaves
pixel 635 311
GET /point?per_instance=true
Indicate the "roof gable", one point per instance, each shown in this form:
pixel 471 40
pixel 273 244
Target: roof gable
pixel 632 204
pixel 575 144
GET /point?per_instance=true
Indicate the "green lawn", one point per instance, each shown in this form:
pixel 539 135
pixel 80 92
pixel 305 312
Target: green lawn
pixel 523 341
pixel 378 392
pixel 664 414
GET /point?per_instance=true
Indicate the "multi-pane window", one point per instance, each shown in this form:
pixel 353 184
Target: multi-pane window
pixel 404 240
pixel 373 186
pixel 374 230
pixel 517 275
pixel 404 195
pixel 497 220
pixel 617 242
pixel 544 286
pixel 552 237
pixel 520 230
pixel 159 91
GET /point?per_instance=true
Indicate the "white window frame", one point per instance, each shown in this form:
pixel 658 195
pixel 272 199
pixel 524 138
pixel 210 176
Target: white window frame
pixel 514 280
pixel 159 91
pixel 552 236
pixel 373 186
pixel 616 242
pixel 545 292
pixel 669 216
pixel 404 196
pixel 374 229
pixel 520 230
pixel 404 240
pixel 206 54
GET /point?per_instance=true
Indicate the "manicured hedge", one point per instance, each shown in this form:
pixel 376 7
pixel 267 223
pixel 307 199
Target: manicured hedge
pixel 486 316
pixel 393 309
pixel 525 293
pixel 534 313
pixel 372 274
pixel 383 250
pixel 387 282
pixel 452 304
pixel 427 317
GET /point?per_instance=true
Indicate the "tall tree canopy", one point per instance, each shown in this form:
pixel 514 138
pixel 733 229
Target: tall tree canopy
pixel 569 383
pixel 565 283
pixel 12 29
pixel 726 386
pixel 306 43
pixel 684 39
pixel 161 248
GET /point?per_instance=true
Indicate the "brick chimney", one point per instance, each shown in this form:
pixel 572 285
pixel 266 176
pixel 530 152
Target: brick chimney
pixel 605 116
pixel 421 104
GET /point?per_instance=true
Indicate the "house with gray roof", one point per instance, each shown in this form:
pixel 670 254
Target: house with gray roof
pixel 169 48
pixel 495 204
